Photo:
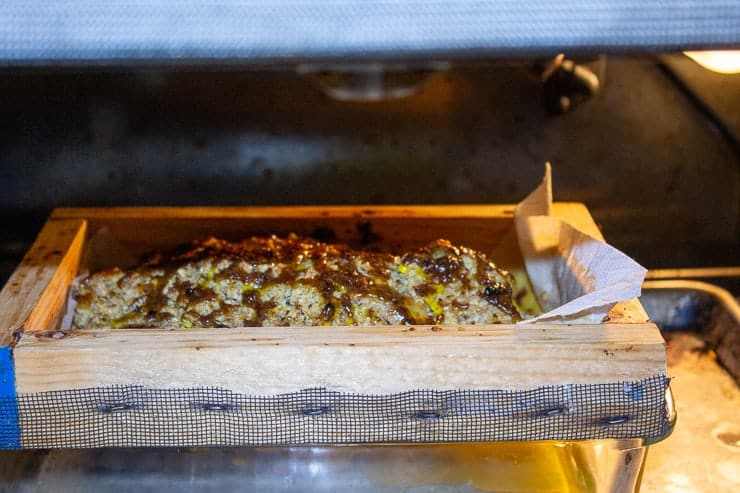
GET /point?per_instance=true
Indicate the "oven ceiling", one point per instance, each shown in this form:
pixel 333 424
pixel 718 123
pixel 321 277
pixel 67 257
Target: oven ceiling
pixel 40 32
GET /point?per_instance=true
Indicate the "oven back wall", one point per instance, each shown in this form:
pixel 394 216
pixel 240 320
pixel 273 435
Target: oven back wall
pixel 658 177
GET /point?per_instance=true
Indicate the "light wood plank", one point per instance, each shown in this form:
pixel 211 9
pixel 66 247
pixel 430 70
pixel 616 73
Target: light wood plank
pixel 297 212
pixel 375 360
pixel 269 361
pixel 35 293
pixel 349 359
pixel 391 228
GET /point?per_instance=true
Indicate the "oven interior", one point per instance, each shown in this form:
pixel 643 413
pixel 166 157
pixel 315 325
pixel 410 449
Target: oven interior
pixel 649 141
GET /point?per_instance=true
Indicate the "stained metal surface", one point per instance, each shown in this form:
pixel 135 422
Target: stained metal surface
pixel 701 323
pixel 681 306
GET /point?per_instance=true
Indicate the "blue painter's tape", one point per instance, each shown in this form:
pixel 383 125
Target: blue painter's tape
pixel 10 432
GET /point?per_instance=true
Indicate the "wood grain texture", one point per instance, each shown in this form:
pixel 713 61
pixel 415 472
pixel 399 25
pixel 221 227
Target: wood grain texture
pixel 393 228
pixel 274 360
pixel 296 212
pixel 370 360
pixel 278 360
pixel 35 293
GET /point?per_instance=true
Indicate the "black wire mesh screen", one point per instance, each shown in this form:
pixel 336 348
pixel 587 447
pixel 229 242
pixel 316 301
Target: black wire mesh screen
pixel 126 416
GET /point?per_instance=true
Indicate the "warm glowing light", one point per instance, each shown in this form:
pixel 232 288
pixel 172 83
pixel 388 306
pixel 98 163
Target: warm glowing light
pixel 722 62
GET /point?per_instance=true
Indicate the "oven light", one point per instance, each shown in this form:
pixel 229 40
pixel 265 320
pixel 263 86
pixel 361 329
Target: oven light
pixel 722 62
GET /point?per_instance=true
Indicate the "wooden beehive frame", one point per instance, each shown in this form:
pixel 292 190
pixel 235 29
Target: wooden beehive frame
pixel 268 361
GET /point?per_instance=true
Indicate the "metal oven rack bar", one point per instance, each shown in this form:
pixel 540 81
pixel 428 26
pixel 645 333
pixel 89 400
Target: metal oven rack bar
pixel 133 31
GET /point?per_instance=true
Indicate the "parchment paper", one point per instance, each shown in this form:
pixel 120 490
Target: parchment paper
pixel 576 277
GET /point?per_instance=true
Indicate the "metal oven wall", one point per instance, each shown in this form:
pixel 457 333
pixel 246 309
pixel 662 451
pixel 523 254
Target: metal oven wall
pixel 659 177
